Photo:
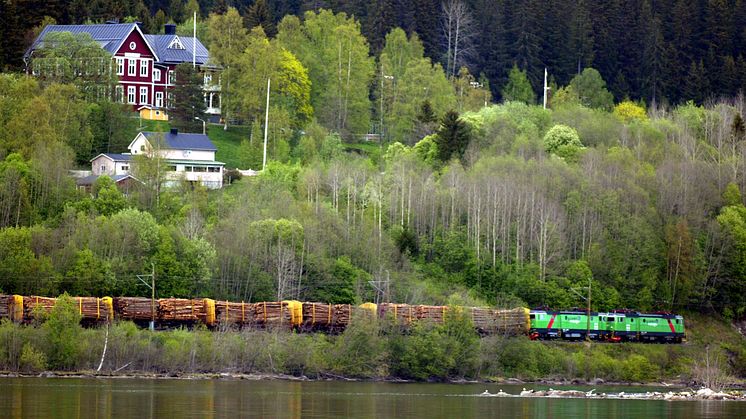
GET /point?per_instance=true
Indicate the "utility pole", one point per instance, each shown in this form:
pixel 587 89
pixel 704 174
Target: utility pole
pixel 266 126
pixel 588 332
pixel 150 285
pixel 545 88
pixel 588 312
pixel 380 128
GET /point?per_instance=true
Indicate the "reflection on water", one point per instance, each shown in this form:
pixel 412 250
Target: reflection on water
pixel 143 399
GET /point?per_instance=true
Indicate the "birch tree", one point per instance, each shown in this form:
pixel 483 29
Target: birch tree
pixel 458 32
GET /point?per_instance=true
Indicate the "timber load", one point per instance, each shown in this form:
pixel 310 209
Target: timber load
pixel 185 310
pixel 134 308
pixel 287 314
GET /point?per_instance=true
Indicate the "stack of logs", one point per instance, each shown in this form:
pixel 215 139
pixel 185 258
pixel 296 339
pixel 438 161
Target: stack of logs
pixel 134 308
pixel 283 314
pixel 89 308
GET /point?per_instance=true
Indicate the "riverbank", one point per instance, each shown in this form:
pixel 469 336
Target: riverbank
pixel 673 384
pixel 714 356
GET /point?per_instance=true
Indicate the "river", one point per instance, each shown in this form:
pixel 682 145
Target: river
pixel 175 398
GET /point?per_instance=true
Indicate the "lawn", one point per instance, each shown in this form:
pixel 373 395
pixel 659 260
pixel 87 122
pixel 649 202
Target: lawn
pixel 369 149
pixel 227 143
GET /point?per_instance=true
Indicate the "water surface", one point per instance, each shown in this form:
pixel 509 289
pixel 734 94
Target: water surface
pixel 174 398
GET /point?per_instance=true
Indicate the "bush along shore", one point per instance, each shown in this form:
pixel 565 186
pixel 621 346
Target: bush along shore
pixel 368 349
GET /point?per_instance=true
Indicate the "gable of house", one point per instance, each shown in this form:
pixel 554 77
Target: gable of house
pixel 114 38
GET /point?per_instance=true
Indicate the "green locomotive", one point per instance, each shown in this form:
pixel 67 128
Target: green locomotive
pixel 629 326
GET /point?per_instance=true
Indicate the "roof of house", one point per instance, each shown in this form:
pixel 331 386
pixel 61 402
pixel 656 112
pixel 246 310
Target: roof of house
pixel 115 156
pixel 90 180
pixel 196 162
pixel 109 36
pixel 182 140
pixel 161 43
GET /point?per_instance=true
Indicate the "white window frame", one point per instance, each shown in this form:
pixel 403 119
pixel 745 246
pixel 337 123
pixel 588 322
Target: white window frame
pixel 131 95
pixel 120 66
pixel 143 95
pixel 158 99
pixel 208 79
pixel 156 74
pixel 171 77
pixel 119 92
pixel 131 67
pixel 143 68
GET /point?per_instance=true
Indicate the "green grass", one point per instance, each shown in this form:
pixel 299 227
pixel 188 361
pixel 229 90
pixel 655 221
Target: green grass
pixel 369 149
pixel 228 143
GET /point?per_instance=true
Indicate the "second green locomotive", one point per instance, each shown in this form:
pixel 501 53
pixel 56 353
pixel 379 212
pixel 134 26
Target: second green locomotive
pixel 628 326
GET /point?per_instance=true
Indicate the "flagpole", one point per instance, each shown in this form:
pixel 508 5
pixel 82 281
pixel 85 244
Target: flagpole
pixel 266 125
pixel 194 43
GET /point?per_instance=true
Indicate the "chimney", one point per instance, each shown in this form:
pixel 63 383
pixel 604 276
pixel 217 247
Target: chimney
pixel 169 29
pixel 174 131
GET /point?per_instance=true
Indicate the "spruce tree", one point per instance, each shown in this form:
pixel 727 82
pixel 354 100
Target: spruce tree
pixel 188 99
pixel 453 137
pixel 258 14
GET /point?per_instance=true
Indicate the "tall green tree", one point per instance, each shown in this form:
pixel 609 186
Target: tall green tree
pixel 259 14
pixel 453 137
pixel 518 87
pixel 335 53
pixel 228 40
pixel 591 89
pixel 188 99
pixel 68 58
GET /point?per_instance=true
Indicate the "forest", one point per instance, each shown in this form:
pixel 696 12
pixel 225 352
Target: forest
pixel 666 51
pixel 472 193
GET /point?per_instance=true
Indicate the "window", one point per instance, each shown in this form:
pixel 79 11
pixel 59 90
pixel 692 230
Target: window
pixel 142 147
pixel 131 94
pixel 170 97
pixel 176 44
pixel 120 66
pixel 208 79
pixel 158 99
pixel 171 168
pixel 125 168
pixel 103 169
pixel 171 77
pixel 131 67
pixel 119 92
pixel 156 74
pixel 143 68
pixel 143 95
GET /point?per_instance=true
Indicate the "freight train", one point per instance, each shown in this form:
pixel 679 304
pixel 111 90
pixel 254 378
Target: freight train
pixel 311 316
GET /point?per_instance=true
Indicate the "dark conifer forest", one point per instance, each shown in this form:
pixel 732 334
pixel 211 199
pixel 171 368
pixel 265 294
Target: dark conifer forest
pixel 666 51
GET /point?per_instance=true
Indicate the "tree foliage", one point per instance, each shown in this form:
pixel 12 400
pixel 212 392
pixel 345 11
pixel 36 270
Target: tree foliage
pixel 518 87
pixel 188 101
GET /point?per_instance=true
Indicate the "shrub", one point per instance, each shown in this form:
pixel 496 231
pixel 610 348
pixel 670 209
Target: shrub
pixel 637 368
pixel 629 111
pixel 63 333
pixel 358 352
pixel 563 141
pixel 32 359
